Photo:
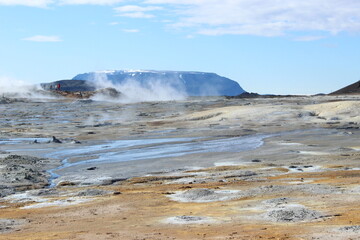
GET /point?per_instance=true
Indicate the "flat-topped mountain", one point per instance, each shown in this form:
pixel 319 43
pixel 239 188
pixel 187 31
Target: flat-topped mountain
pixel 192 83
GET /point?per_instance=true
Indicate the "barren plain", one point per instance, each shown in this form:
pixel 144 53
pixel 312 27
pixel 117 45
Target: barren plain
pixel 202 168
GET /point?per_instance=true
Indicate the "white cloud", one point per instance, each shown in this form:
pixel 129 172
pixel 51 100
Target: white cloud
pixel 89 2
pixel 131 30
pixel 309 38
pixel 134 11
pixel 29 3
pixel 137 15
pixel 238 17
pixel 46 3
pixel 41 38
pixel 265 18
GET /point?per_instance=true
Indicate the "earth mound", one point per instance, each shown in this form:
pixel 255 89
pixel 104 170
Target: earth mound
pixel 351 89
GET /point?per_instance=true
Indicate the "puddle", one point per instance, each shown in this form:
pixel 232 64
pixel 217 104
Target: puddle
pixel 131 150
pixel 102 152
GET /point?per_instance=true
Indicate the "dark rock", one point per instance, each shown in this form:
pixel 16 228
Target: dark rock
pixel 256 160
pixel 55 140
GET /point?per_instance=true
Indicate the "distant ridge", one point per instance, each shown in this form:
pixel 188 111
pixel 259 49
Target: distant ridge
pixel 351 89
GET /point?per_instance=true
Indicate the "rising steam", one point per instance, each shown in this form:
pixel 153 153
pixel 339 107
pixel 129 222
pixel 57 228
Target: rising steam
pixel 134 91
pixel 15 88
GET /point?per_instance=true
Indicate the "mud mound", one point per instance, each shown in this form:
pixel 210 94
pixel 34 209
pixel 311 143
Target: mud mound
pixel 7 225
pixel 22 173
pixel 355 229
pixel 305 188
pixel 291 213
pixel 188 220
pixel 5 100
pixel 205 195
pixel 18 159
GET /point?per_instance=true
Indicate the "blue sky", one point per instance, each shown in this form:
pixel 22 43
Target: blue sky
pixel 273 46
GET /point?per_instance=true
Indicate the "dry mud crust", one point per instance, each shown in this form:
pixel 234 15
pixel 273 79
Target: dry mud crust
pixel 21 173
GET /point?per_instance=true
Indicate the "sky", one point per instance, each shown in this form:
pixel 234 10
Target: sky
pixel 267 46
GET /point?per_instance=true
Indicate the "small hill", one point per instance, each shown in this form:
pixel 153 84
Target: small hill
pixel 70 85
pixel 351 89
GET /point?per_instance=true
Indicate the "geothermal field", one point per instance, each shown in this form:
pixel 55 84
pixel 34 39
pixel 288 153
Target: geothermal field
pixel 196 168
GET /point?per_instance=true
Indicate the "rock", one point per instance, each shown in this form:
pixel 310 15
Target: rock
pixel 256 160
pixel 55 140
pixel 91 168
